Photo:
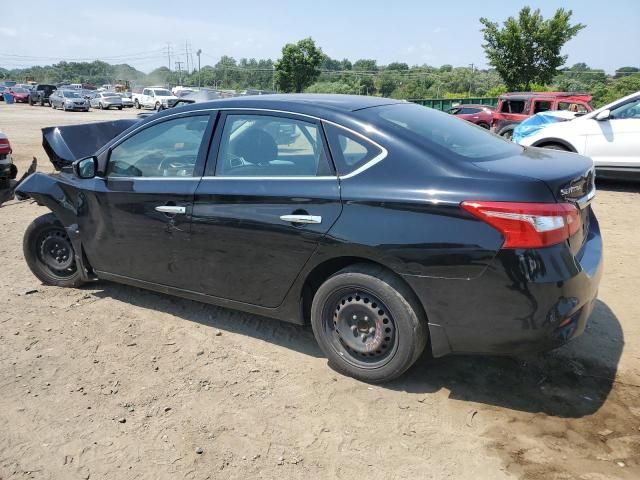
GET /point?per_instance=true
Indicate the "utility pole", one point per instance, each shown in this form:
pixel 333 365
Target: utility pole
pixel 186 54
pixel 179 67
pixel 470 78
pixel 198 54
pixel 169 54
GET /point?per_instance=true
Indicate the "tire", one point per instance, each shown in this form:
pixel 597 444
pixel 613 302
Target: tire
pixel 100 106
pixel 41 103
pixel 556 146
pixel 368 323
pixel 46 246
pixel 158 107
pixel 30 101
pixel 119 108
pixel 137 104
pixel 508 134
pixel 484 125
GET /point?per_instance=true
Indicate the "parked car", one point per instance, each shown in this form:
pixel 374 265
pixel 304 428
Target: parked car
pixel 2 89
pixel 8 170
pixel 156 98
pixel 372 225
pixel 40 94
pixel 513 108
pixel 127 101
pixel 609 135
pixel 20 94
pixel 106 100
pixel 68 100
pixel 481 115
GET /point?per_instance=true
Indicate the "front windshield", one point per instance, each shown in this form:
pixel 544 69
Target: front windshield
pixel 162 93
pixel 20 90
pixel 70 94
pixel 440 131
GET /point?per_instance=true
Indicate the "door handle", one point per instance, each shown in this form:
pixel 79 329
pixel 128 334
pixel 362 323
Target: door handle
pixel 173 209
pixel 301 218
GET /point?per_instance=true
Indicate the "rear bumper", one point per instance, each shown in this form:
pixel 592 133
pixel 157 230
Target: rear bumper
pixel 526 300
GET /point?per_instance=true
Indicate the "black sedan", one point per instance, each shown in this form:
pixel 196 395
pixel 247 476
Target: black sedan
pixel 385 225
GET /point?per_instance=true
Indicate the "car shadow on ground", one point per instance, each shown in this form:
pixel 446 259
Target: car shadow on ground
pixel 618 186
pixel 572 381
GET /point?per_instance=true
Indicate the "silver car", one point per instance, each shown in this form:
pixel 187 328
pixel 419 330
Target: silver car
pixel 68 100
pixel 107 100
pixel 127 102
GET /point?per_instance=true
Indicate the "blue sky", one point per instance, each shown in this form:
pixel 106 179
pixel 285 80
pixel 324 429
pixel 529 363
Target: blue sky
pixel 413 31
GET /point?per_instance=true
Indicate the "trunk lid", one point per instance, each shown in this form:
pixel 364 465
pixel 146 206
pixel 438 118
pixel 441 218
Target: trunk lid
pixel 63 145
pixel 569 176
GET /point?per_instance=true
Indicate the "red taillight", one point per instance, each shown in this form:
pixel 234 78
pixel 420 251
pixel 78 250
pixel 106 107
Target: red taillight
pixel 5 146
pixel 528 225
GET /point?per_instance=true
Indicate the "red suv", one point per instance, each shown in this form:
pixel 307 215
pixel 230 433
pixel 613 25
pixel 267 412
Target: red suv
pixel 513 108
pixel 481 115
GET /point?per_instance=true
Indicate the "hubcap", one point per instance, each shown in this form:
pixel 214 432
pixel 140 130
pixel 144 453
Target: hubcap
pixel 56 252
pixel 363 328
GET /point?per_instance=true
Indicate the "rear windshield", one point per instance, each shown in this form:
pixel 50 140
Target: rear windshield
pixel 443 133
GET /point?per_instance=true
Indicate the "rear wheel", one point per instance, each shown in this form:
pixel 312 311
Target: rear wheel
pixel 49 252
pixel 508 134
pixel 484 125
pixel 368 323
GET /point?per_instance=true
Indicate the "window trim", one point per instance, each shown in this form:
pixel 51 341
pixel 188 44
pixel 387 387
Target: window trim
pixel 205 145
pixel 378 158
pixel 217 113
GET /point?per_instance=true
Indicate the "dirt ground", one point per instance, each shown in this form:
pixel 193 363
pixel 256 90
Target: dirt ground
pixel 113 382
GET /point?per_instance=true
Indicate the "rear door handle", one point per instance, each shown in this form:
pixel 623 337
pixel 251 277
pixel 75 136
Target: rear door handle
pixel 173 209
pixel 301 218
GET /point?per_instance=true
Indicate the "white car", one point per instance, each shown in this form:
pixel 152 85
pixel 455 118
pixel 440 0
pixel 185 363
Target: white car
pixel 127 101
pixel 609 135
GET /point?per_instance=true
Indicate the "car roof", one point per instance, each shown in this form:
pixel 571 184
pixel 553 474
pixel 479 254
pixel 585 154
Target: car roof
pixel 299 102
pixel 544 94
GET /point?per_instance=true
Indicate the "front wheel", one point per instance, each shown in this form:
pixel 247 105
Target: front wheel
pixel 158 107
pixel 49 252
pixel 137 104
pixel 368 323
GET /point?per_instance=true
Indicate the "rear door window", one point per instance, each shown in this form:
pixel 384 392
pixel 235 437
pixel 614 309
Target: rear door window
pixel 572 107
pixel 271 146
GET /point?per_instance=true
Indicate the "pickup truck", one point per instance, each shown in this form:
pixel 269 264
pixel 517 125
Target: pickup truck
pixel 515 107
pixel 40 93
pixel 157 98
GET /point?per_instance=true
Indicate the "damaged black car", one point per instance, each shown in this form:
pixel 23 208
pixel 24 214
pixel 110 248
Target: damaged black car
pixel 387 226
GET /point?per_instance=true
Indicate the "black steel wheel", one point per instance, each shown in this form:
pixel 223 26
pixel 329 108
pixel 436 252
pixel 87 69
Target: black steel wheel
pixel 50 254
pixel 361 328
pixel 368 323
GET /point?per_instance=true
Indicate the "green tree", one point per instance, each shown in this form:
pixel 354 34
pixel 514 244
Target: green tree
pixel 365 65
pixel 526 49
pixel 622 71
pixel 299 66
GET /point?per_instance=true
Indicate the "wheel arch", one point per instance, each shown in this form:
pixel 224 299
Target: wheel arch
pixel 325 269
pixel 553 140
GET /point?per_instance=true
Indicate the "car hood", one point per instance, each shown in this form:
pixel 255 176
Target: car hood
pixel 63 145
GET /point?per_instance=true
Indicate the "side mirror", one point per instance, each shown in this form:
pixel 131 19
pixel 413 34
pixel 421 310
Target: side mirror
pixel 603 115
pixel 86 167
